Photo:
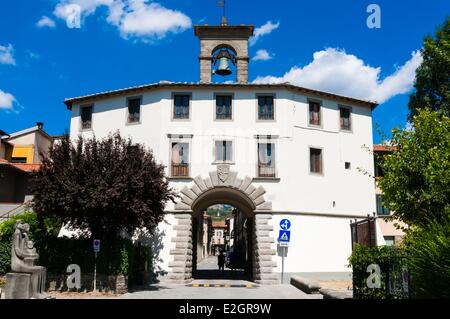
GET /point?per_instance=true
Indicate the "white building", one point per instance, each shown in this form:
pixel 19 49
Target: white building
pixel 273 151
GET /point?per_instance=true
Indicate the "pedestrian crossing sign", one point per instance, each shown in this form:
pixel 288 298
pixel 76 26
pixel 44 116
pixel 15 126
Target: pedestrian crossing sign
pixel 284 236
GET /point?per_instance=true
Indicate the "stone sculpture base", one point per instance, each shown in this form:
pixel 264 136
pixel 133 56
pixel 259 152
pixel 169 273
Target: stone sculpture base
pixel 18 286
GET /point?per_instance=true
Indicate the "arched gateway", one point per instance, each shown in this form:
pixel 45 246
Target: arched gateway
pixel 225 187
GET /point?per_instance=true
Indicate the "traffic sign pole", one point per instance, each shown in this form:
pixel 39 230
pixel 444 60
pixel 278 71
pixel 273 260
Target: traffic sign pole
pixel 284 238
pixel 95 273
pixel 96 250
pixel 282 265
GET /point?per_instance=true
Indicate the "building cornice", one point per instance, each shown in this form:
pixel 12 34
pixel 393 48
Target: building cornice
pixel 214 86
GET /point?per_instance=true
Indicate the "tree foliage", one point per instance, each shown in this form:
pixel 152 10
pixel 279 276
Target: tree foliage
pixel 416 181
pixel 432 84
pixel 105 186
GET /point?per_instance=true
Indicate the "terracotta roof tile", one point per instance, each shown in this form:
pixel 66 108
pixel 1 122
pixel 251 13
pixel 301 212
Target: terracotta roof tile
pixel 383 148
pixel 23 167
pixel 219 224
pixel 27 167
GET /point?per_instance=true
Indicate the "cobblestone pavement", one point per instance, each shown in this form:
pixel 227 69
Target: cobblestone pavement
pixel 221 286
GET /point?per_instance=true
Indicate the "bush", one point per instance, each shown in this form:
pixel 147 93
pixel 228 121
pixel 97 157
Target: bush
pixel 117 256
pixel 428 250
pixel 5 257
pixel 361 258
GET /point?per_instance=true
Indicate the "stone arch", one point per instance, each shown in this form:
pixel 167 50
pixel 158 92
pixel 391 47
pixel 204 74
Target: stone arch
pixel 225 46
pixel 223 186
pixel 224 178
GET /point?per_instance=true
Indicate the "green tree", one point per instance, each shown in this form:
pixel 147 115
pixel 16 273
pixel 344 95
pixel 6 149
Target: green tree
pixel 105 186
pixel 432 84
pixel 416 181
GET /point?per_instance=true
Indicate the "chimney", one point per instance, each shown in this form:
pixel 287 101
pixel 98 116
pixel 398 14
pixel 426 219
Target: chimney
pixel 40 125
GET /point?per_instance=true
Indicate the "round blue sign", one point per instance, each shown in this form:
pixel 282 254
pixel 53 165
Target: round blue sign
pixel 285 224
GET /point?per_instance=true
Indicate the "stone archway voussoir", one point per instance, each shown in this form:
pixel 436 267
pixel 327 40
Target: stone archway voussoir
pixel 202 185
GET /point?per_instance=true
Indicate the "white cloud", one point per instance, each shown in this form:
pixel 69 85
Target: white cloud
pixel 45 22
pixel 262 31
pixel 262 55
pixel 152 20
pixel 33 55
pixel 6 100
pixel 333 70
pixel 133 18
pixel 6 55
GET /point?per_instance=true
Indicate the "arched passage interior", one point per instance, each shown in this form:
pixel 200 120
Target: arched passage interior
pixel 239 230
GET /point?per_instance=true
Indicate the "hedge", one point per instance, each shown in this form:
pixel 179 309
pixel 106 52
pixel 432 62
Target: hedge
pixel 117 256
pixel 5 257
pixel 361 258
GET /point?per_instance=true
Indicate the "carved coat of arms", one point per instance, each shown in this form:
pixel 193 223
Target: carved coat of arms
pixel 222 172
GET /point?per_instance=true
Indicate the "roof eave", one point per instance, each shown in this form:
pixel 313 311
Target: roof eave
pixel 70 101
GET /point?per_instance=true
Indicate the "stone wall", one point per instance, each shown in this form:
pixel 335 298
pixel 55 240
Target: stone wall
pixel 207 47
pixel 181 266
pixel 263 264
pixel 105 283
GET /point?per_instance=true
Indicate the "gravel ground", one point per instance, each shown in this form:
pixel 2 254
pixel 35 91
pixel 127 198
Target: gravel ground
pixel 344 285
pixel 82 295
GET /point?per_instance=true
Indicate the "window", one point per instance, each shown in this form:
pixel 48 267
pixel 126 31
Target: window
pixel 181 106
pixel 347 165
pixel 345 118
pixel 389 240
pixel 224 151
pixel 223 107
pixel 266 160
pixel 19 160
pixel 381 210
pixel 378 162
pixel 314 113
pixel 134 110
pixel 315 156
pixel 180 159
pixel 265 108
pixel 86 117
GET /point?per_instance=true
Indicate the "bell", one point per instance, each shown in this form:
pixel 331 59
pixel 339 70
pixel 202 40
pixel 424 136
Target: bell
pixel 224 67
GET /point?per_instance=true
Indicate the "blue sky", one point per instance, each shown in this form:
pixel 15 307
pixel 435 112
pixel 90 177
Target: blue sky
pixel 120 43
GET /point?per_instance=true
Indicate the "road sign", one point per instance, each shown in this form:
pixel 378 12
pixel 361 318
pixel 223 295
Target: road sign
pixel 284 236
pixel 285 224
pixel 96 245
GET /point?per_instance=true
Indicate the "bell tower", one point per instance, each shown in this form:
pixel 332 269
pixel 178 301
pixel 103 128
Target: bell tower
pixel 223 45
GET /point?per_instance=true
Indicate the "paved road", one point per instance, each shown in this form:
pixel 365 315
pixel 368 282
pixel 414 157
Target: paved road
pixel 209 267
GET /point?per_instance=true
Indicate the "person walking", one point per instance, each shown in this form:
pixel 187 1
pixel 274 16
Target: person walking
pixel 221 260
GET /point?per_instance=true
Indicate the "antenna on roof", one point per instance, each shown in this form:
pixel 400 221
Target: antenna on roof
pixel 221 4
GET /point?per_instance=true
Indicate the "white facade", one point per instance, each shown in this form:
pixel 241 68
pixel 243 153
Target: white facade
pixel 319 206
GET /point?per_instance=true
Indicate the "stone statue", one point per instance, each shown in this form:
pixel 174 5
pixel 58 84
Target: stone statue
pixel 23 261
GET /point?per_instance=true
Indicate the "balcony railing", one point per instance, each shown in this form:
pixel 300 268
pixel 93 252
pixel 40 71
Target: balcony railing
pixel 265 170
pixel 134 117
pixel 86 125
pixel 181 113
pixel 266 116
pixel 223 116
pixel 180 170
